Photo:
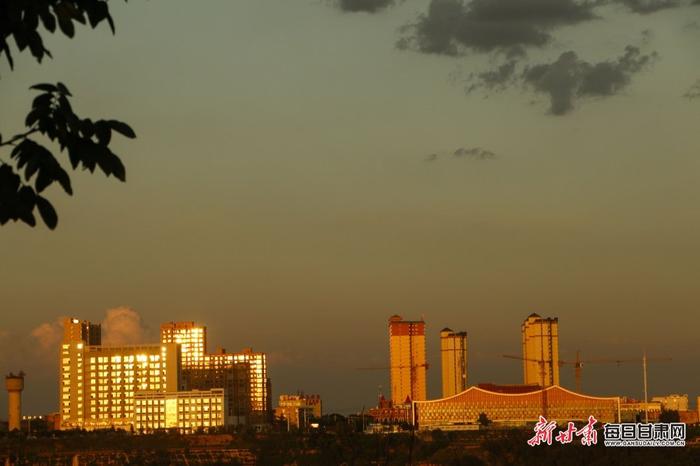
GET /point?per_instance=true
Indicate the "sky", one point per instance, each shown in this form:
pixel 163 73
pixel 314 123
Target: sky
pixel 303 169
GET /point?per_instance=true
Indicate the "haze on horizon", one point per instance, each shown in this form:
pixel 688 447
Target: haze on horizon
pixel 298 178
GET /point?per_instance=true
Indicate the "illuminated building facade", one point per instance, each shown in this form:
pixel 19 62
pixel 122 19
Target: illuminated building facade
pixel 97 384
pixel 187 411
pixel 540 350
pixel 192 339
pixel 258 390
pixel 110 378
pixel 407 359
pixel 461 411
pixel 234 379
pixel 298 410
pixel 453 357
pixel 243 375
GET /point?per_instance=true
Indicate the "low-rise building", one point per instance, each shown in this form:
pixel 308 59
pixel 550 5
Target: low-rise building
pixel 186 411
pixel 632 410
pixel 299 409
pixel 386 412
pixel 672 402
pixel 463 410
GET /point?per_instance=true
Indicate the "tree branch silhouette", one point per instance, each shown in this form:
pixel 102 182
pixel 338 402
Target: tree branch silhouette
pixel 33 167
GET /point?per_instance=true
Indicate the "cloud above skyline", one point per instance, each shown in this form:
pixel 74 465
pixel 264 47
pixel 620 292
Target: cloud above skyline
pixel 122 326
pixel 506 29
pixel 453 27
pixel 475 153
pixel 570 78
pixel 47 335
pixel 566 79
pixel 646 7
pixel 367 6
pixel 694 91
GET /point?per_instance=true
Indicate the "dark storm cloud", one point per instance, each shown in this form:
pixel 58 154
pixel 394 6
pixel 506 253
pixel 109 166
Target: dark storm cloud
pixel 476 153
pixel 694 91
pixel 451 27
pixel 565 79
pixel 493 80
pixel 569 77
pixel 645 7
pixel 368 6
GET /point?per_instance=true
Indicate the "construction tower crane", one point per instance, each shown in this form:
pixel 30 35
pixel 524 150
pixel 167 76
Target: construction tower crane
pixel 578 365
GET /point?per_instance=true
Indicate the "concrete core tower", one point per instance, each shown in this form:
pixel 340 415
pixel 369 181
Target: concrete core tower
pixel 15 385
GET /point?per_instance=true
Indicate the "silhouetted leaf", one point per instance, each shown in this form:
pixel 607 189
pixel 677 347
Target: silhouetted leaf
pixel 103 132
pixel 122 128
pixel 62 89
pixel 42 101
pixel 111 23
pixel 46 87
pixel 8 54
pixel 48 20
pixel 66 25
pixel 64 180
pixel 43 179
pixel 26 200
pixel 118 168
pixel 48 213
pixel 32 118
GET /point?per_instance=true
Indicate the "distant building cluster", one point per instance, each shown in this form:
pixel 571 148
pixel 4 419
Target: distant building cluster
pixel 177 384
pixel 174 384
pixel 463 406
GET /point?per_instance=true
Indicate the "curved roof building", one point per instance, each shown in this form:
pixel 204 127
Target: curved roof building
pixel 554 403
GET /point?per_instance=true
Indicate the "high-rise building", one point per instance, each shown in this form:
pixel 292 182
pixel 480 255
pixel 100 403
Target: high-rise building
pixel 243 375
pixel 453 356
pixel 233 378
pixel 407 359
pixel 97 384
pixel 258 390
pixel 540 350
